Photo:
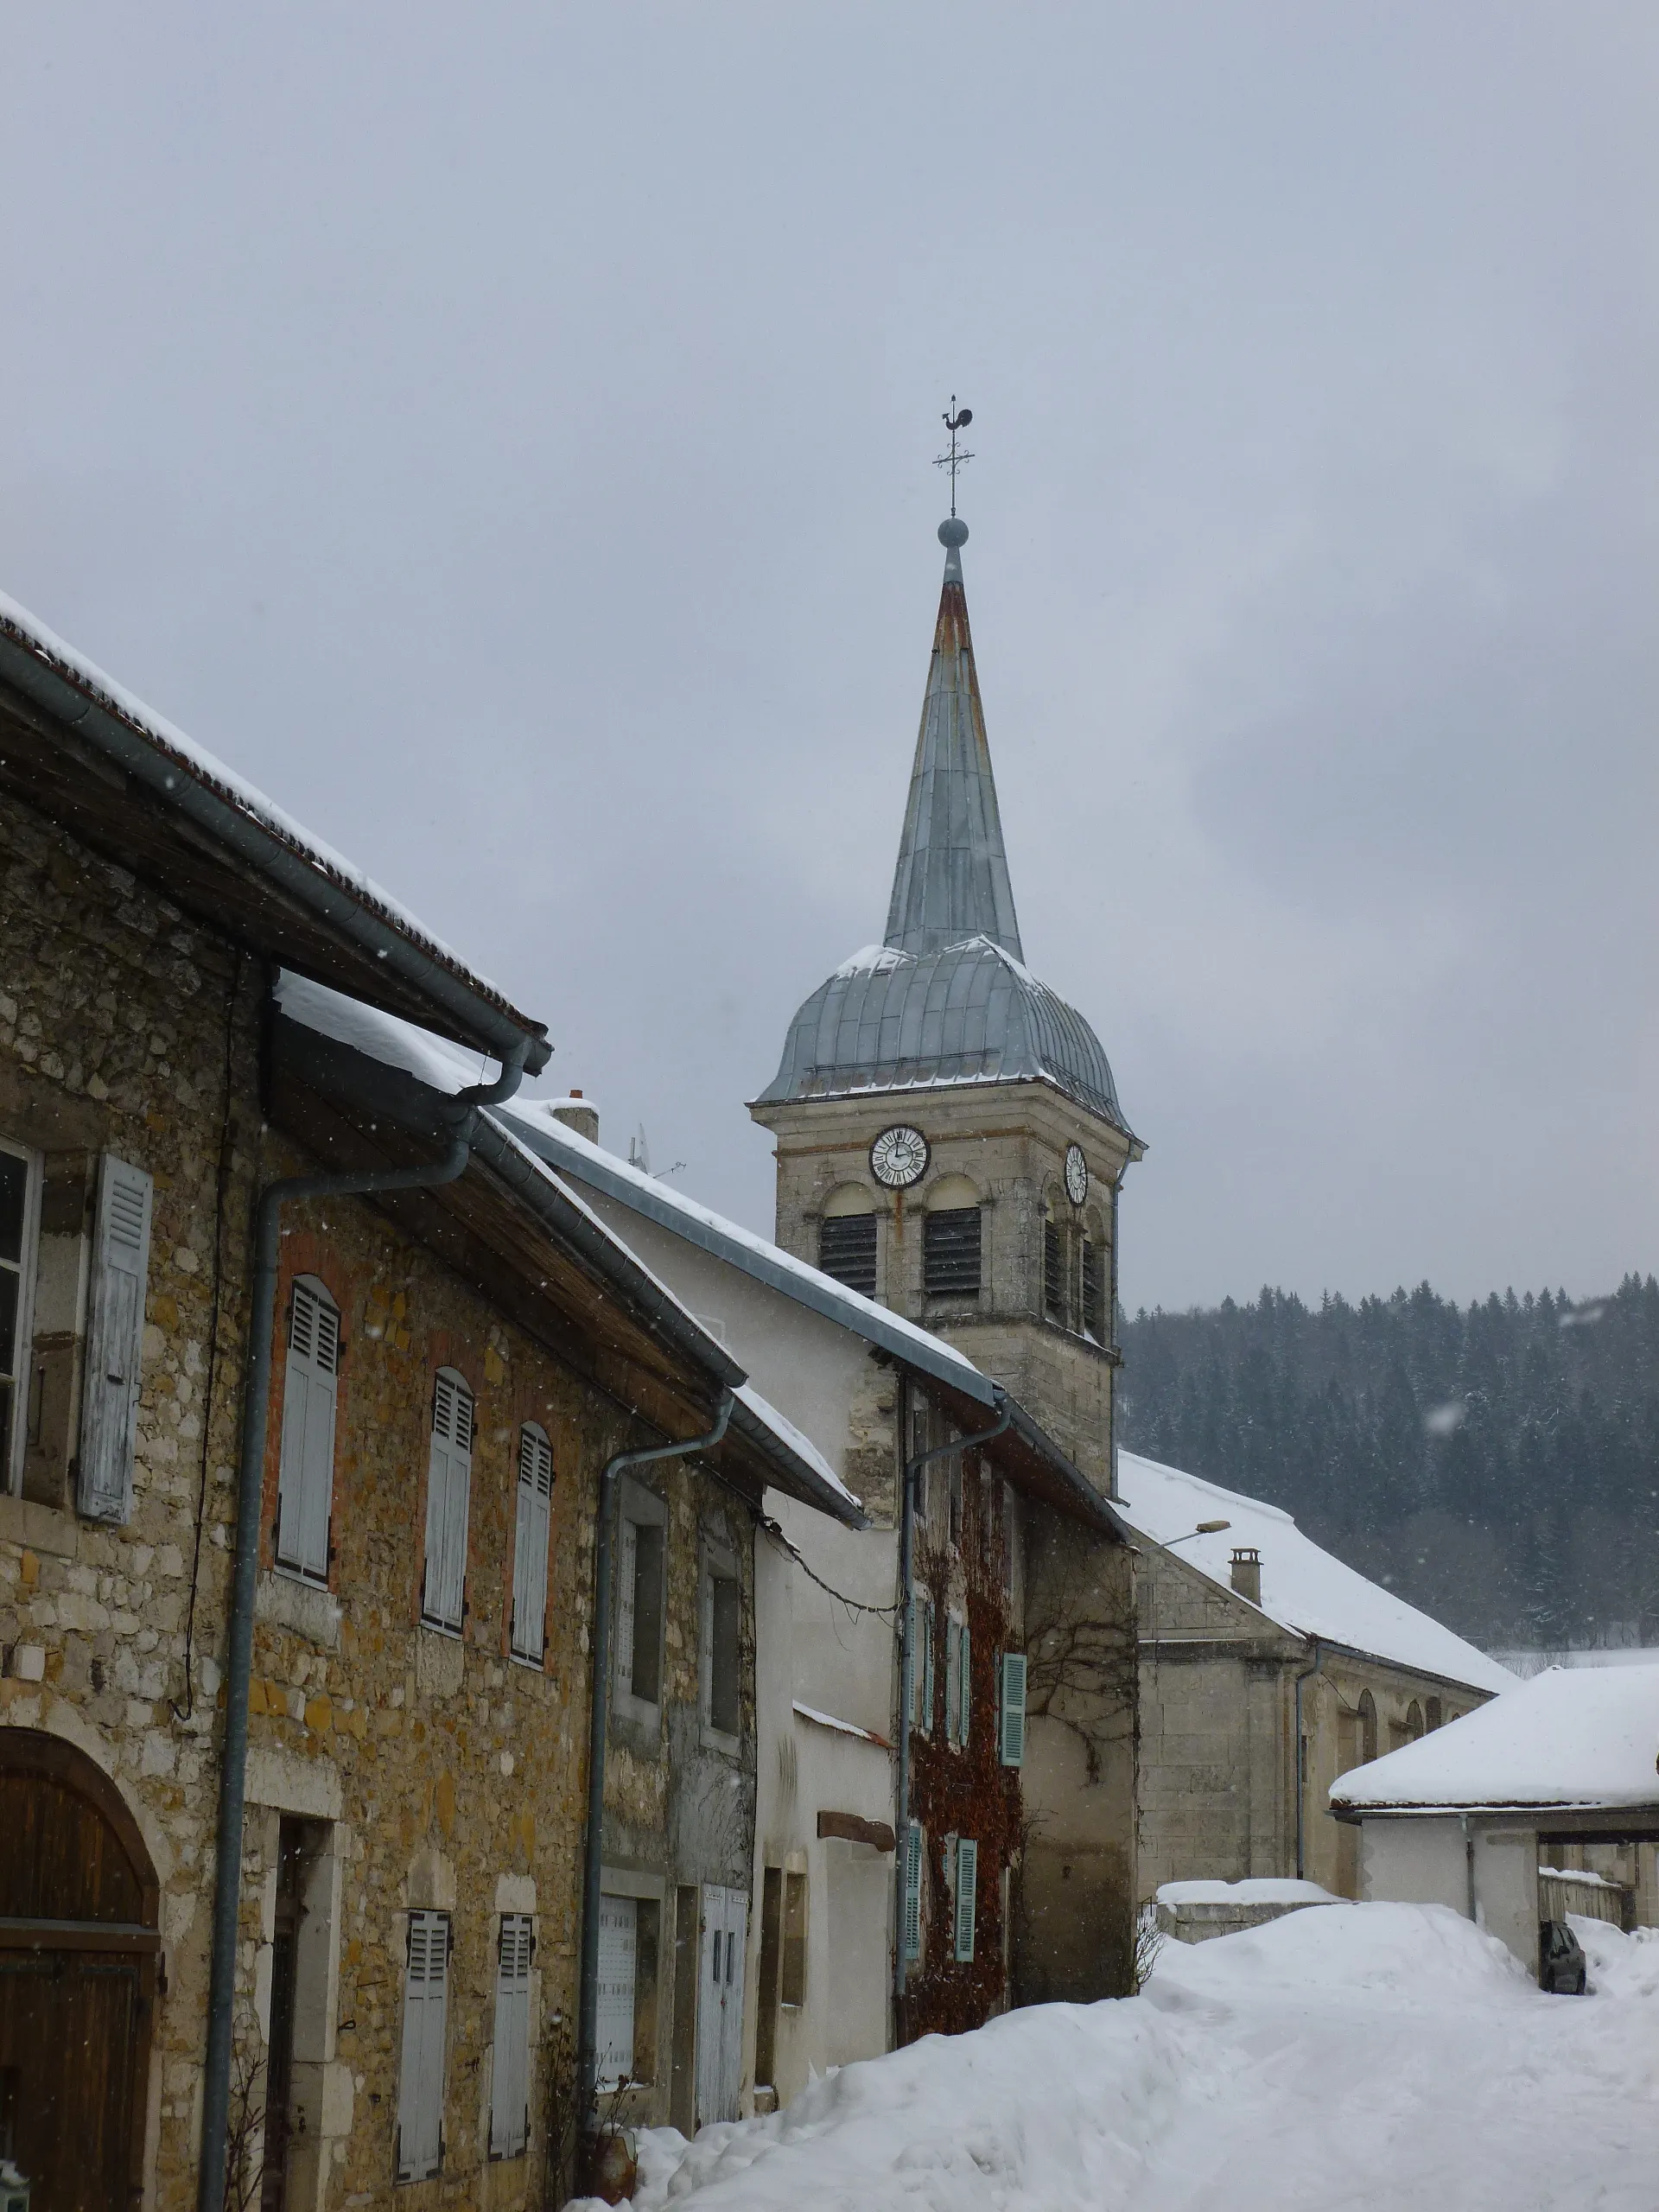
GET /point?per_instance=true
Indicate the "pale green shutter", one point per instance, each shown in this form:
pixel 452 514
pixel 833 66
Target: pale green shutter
pixel 1012 1748
pixel 305 1489
pixel 509 2071
pixel 966 1895
pixel 529 1543
pixel 912 1929
pixel 927 1668
pixel 115 1335
pixel 420 2085
pixel 964 1685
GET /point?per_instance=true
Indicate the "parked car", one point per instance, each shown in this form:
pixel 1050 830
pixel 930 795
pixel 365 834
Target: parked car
pixel 1561 1967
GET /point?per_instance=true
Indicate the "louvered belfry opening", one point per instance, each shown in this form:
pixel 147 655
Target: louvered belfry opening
pixel 951 1253
pixel 847 1250
pixel 1053 1271
pixel 1093 1290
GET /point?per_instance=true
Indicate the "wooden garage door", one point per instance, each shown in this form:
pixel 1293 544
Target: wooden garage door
pixel 78 1963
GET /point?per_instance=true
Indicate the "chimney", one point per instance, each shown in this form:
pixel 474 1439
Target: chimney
pixel 1247 1573
pixel 578 1113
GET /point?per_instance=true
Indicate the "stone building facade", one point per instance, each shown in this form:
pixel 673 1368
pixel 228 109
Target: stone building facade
pixel 451 1369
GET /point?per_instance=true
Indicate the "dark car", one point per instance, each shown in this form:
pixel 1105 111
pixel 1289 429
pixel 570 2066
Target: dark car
pixel 1561 1967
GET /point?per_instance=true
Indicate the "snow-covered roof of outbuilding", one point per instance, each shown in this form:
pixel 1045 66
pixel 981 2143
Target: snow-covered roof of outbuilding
pixel 130 784
pixel 1304 1587
pixel 1581 1737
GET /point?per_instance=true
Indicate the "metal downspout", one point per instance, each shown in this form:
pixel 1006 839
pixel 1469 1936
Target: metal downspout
pixel 233 1765
pixel 1307 1675
pixel 1004 1405
pixel 598 1726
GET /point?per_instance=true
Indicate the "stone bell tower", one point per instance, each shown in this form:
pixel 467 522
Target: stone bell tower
pixel 949 1139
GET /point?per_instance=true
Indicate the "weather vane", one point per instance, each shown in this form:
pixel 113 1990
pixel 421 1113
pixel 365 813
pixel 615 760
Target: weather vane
pixel 956 419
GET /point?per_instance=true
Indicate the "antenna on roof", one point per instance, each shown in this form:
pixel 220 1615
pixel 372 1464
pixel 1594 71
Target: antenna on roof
pixel 956 419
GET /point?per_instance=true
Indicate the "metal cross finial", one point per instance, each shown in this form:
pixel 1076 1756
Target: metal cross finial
pixel 956 419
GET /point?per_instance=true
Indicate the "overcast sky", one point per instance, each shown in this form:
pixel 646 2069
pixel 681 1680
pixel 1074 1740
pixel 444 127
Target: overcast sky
pixel 505 435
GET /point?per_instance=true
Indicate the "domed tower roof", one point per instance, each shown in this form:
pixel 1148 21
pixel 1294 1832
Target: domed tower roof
pixel 947 997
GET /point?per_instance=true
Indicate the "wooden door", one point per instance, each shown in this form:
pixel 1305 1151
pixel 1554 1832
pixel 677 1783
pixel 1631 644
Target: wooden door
pixel 78 1960
pixel 720 2003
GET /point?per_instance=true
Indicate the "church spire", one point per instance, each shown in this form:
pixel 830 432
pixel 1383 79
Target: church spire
pixel 951 882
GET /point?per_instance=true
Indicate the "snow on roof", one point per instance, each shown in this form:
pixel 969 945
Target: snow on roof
pixel 840 1727
pixel 1304 1588
pixel 621 1179
pixel 207 768
pixel 444 1067
pixel 1571 1737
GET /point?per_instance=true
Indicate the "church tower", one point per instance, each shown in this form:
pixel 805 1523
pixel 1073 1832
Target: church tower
pixel 949 1139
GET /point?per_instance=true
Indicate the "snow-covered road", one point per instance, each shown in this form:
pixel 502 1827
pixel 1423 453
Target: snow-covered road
pixel 1346 2059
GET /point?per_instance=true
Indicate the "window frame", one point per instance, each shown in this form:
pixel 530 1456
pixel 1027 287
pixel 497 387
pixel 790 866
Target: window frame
pixel 640 1506
pixel 16 1443
pixel 718 1563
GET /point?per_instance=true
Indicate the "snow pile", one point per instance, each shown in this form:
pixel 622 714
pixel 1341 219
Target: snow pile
pixel 1378 2057
pixel 1586 1736
pixel 1256 1889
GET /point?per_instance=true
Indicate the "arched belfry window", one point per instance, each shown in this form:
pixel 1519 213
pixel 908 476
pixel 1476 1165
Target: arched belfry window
pixel 1367 1727
pixel 1093 1273
pixel 1054 1240
pixel 847 1238
pixel 951 1240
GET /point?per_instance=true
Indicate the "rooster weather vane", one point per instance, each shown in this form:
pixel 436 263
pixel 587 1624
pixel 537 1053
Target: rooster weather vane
pixel 956 419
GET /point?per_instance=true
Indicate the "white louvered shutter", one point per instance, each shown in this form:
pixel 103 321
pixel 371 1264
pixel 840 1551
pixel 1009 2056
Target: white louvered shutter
pixel 913 1928
pixel 627 1570
pixel 115 1336
pixel 305 1490
pixel 1012 1748
pixel 529 1543
pixel 964 1684
pixel 448 1491
pixel 420 2083
pixel 966 1895
pixel 509 2074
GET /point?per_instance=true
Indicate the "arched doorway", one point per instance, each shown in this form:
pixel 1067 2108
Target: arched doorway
pixel 78 1953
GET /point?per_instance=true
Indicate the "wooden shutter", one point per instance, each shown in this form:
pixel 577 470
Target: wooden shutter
pixel 912 1929
pixel 305 1489
pixel 510 2071
pixel 447 1490
pixel 1012 1719
pixel 964 1684
pixel 967 1896
pixel 115 1334
pixel 927 1668
pixel 529 1543
pixel 420 2083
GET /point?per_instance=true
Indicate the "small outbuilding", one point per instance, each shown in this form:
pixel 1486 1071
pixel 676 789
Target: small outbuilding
pixel 1464 1817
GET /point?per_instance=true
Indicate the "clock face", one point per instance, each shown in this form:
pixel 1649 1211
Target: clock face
pixel 1077 1174
pixel 899 1157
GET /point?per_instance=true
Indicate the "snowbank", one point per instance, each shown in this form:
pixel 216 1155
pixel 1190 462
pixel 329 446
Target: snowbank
pixel 1375 2058
pixel 1254 1890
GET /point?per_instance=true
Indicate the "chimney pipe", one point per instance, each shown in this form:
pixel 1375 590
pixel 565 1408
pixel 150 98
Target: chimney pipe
pixel 1247 1573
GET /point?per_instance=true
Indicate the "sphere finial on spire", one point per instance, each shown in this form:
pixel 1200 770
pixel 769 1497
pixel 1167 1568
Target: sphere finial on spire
pixel 953 532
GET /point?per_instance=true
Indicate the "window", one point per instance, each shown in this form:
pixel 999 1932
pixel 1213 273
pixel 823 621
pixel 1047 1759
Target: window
pixel 449 1487
pixel 847 1238
pixel 847 1250
pixel 1414 1721
pixel 639 1589
pixel 19 1209
pixel 951 1252
pixel 1010 1713
pixel 305 1486
pixel 1436 1712
pixel 1093 1290
pixel 1010 1541
pixel 420 2080
pixel 958 1686
pixel 921 1664
pixel 510 2069
pixel 966 1898
pixel 1053 1269
pixel 618 1956
pixel 792 1987
pixel 913 1856
pixel 115 1331
pixel 528 1639
pixel 953 1503
pixel 1367 1727
pixel 722 1618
